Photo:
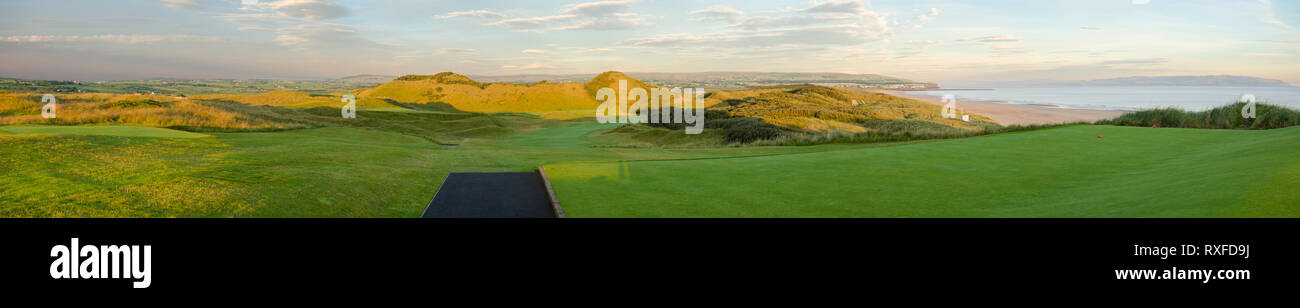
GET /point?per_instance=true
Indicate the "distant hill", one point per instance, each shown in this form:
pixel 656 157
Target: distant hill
pixel 467 94
pixel 824 109
pixel 733 80
pixel 1208 80
pixel 367 78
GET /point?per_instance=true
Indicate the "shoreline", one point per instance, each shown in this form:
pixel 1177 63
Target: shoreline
pixel 1017 114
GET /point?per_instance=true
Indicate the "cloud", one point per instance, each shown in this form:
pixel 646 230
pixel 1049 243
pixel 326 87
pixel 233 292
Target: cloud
pixel 534 51
pixel 831 23
pixel 994 38
pixel 108 38
pixel 845 7
pixel 599 15
pixel 472 13
pixel 532 23
pixel 324 36
pixel 597 9
pixel 455 51
pixel 1090 28
pixel 718 13
pixel 595 51
pixel 525 66
pixel 923 19
pixel 1148 61
pixel 305 9
pixel 178 4
pixel 1270 15
pixel 617 21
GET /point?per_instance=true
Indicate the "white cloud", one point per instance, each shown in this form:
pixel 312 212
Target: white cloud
pixel 1090 28
pixel 846 7
pixel 472 13
pixel 525 66
pixel 323 36
pixel 178 4
pixel 455 51
pixel 534 51
pixel 923 19
pixel 718 13
pixel 108 38
pixel 1270 15
pixel 600 15
pixel 597 9
pixel 305 9
pixel 993 38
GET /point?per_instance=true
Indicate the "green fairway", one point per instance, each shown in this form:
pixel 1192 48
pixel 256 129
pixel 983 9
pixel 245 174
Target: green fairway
pixel 326 172
pixel 131 171
pixel 1063 172
pixel 102 130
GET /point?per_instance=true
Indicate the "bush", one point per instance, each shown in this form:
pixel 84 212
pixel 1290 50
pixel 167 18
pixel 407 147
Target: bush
pixel 1226 117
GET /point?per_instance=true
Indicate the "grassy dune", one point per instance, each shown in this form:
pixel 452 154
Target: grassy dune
pixel 822 109
pixel 1225 117
pixel 295 100
pixel 147 110
pixel 1063 172
pixel 468 95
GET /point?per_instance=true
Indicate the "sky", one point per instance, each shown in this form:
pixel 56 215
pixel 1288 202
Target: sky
pixel 937 41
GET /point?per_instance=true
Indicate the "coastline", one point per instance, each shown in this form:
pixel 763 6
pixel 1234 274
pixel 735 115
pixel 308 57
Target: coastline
pixel 1018 114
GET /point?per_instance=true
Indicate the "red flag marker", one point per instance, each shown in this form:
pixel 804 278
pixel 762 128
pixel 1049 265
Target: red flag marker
pixel 1098 136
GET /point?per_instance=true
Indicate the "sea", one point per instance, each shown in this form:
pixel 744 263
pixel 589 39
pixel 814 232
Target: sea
pixel 1191 98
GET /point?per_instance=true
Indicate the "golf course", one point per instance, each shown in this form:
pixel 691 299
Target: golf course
pixel 774 151
pixel 1074 171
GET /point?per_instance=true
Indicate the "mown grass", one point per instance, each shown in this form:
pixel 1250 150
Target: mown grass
pixel 1225 117
pixel 327 172
pixel 1061 172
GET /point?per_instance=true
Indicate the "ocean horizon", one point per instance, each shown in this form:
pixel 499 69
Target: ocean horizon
pixel 1191 98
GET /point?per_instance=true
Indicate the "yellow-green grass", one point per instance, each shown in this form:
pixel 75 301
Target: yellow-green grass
pixel 1061 172
pixel 362 171
pixel 327 172
pixel 103 130
pixel 291 99
pixel 824 109
pixel 146 110
pixel 469 95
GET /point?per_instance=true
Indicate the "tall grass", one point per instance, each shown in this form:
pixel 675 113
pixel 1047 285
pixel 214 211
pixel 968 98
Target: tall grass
pixel 1225 117
pixel 149 110
pixel 901 130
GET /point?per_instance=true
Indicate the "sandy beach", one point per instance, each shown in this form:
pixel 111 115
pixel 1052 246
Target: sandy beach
pixel 1013 114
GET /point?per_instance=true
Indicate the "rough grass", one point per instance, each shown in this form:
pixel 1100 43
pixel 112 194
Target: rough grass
pixel 1061 172
pixel 146 110
pixel 809 114
pixel 468 95
pixel 1226 117
pixel 823 109
pixel 102 130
